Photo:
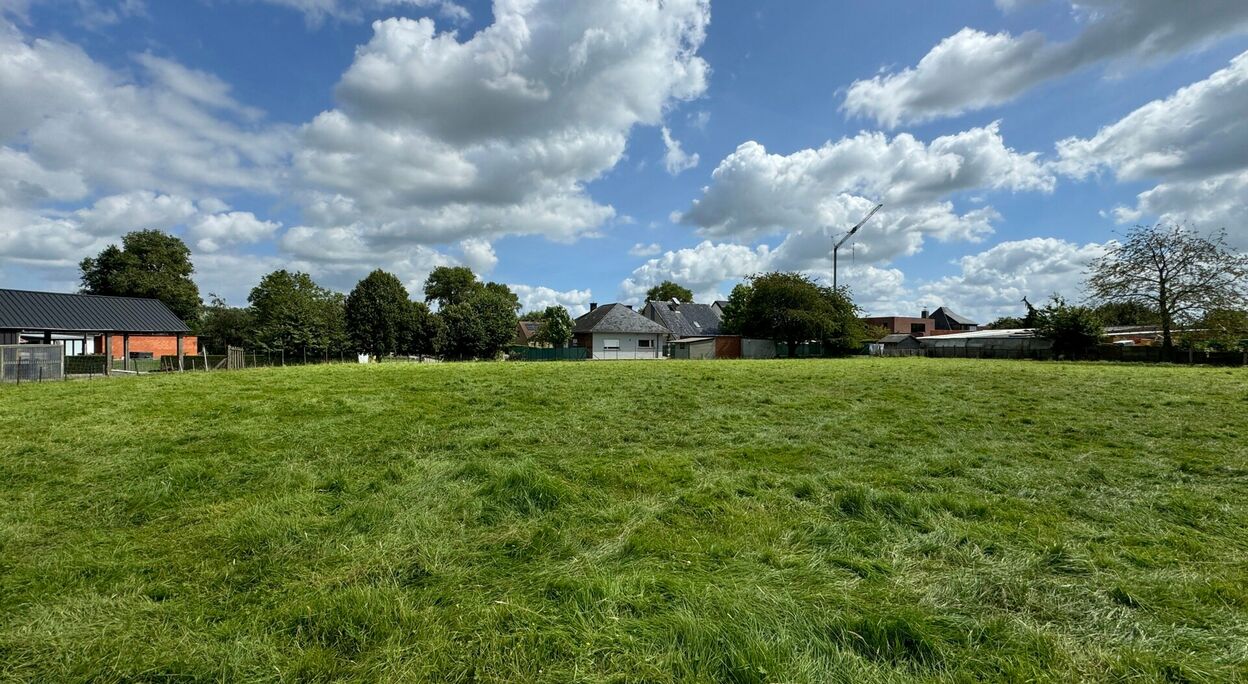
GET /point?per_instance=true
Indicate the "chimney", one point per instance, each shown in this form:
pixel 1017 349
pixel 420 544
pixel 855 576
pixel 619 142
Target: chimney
pixel 593 305
pixel 924 314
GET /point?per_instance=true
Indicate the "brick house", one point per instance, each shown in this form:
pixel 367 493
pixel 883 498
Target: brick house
pixel 901 325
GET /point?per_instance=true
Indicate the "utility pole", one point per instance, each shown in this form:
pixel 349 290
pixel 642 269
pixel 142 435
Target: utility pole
pixel 837 247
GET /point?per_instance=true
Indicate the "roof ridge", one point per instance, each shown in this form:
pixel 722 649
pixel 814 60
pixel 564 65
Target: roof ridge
pixel 80 294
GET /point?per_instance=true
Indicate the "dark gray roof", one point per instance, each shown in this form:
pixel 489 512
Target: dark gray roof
pixel 895 338
pixel 956 318
pixel 60 312
pixel 616 318
pixel 685 320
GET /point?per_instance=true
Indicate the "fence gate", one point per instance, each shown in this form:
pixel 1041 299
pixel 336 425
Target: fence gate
pixel 236 358
pixel 32 362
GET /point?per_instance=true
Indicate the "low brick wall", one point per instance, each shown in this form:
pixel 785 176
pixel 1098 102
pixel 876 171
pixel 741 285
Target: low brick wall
pixel 158 345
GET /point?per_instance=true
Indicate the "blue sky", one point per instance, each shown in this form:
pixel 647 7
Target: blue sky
pixel 584 151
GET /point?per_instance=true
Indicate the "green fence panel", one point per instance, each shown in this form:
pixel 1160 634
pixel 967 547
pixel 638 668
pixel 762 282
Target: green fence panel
pixel 519 353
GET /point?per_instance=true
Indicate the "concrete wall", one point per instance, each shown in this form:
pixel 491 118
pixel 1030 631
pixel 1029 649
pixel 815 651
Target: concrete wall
pixel 629 347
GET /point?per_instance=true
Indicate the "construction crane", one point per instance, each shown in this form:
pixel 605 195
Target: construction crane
pixel 836 248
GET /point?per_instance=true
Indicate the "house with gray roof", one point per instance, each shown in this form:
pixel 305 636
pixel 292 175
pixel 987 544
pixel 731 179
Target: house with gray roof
pixel 685 319
pixel 615 331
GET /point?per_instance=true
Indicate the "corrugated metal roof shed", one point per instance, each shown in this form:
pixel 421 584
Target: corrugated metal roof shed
pixel 1002 334
pixel 896 338
pixel 61 312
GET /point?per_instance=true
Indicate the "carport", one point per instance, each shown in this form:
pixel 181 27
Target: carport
pixel 56 318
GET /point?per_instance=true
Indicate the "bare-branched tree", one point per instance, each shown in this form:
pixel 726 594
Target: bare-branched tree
pixel 1173 269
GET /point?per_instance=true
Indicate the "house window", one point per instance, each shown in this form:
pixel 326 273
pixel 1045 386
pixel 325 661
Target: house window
pixel 919 328
pixel 610 345
pixel 645 344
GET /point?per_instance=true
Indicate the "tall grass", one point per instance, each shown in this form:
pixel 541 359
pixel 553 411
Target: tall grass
pixel 862 521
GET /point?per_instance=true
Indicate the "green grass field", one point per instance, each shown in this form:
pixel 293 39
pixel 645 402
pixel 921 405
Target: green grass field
pixel 810 521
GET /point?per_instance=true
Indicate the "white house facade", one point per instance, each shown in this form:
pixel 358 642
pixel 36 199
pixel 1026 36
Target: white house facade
pixel 615 333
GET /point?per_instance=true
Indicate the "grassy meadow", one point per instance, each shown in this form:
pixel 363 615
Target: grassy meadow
pixel 865 520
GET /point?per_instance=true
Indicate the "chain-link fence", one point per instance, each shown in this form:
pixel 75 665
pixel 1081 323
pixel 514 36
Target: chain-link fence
pixel 250 358
pixel 32 362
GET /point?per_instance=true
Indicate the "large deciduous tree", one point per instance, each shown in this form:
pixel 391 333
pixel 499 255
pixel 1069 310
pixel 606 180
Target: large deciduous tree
pixel 667 290
pixel 293 313
pixel 479 327
pixel 1174 270
pixel 791 308
pixel 448 285
pixel 149 264
pixel 379 313
pixel 556 328
pixel 421 331
pixel 224 326
pixel 1073 329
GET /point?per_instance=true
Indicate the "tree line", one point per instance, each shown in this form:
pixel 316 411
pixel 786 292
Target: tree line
pixel 472 320
pixel 1191 286
pixel 290 312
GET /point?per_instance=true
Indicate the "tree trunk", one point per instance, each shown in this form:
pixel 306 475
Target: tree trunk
pixel 792 349
pixel 1167 340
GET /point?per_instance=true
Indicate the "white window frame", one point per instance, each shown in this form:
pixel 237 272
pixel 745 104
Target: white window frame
pixel 610 345
pixel 645 344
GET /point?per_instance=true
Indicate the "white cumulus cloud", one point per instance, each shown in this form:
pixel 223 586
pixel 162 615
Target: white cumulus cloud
pixel 992 283
pixel 210 232
pixel 816 194
pixel 704 269
pixel 675 159
pixel 973 69
pixel 1195 142
pixel 536 298
pixel 437 139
